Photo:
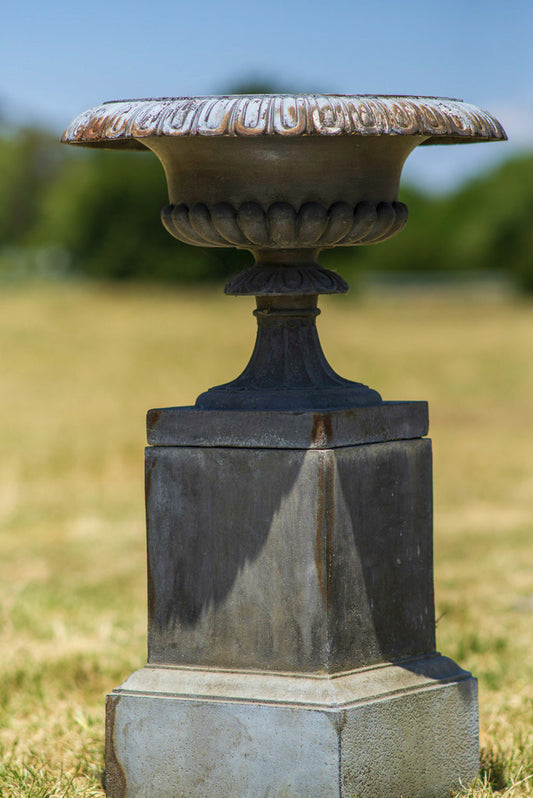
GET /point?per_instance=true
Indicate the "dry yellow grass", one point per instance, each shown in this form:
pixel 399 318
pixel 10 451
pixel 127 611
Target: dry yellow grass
pixel 82 364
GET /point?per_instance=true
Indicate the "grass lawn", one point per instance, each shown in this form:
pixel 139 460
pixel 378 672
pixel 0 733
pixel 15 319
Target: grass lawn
pixel 80 365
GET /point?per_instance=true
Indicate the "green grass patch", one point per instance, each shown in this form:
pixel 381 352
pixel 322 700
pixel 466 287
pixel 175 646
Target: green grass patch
pixel 82 364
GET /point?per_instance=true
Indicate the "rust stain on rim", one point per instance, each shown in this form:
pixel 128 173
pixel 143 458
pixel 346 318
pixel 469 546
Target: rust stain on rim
pixel 325 524
pixel 322 431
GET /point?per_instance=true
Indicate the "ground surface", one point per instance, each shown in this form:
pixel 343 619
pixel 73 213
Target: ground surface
pixel 79 368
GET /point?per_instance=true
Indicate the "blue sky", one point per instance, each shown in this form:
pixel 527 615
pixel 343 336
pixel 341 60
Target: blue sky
pixel 60 58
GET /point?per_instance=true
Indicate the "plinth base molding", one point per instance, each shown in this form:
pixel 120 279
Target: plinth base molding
pixel 407 729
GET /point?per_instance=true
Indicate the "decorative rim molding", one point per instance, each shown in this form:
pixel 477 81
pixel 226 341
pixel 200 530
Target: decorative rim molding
pixel 281 226
pixel 125 123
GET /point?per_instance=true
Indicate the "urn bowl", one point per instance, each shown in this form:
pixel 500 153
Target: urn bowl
pixel 284 176
pixel 283 171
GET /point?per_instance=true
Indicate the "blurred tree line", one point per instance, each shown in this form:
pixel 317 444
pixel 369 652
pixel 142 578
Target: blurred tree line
pixel 93 213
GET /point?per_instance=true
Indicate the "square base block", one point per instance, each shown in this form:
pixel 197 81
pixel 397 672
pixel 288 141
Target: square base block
pixel 406 730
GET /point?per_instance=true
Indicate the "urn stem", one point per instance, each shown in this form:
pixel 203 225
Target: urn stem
pixel 288 369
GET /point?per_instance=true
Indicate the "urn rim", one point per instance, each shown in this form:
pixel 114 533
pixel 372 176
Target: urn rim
pixel 125 123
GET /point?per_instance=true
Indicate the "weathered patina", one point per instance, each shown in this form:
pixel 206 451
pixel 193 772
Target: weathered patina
pixel 291 624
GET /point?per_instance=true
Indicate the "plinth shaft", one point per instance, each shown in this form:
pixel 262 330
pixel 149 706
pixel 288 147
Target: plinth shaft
pixel 290 560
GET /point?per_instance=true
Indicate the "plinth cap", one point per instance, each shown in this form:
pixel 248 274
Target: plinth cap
pixel 124 123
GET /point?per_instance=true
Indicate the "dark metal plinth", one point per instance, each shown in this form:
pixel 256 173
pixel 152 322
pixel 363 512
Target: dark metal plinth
pixel 291 620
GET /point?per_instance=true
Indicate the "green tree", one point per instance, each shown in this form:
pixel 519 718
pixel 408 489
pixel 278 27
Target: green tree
pixel 493 218
pixel 484 225
pixel 29 161
pixel 104 209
